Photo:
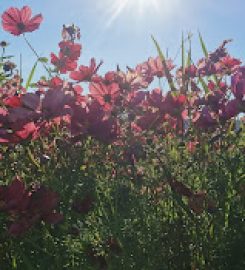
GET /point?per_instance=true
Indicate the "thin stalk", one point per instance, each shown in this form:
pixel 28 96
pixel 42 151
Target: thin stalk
pixel 36 54
pixel 20 69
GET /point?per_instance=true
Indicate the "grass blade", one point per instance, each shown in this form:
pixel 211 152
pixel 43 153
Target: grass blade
pixel 205 51
pixel 183 52
pixel 204 85
pixel 204 48
pixel 30 77
pixel 166 70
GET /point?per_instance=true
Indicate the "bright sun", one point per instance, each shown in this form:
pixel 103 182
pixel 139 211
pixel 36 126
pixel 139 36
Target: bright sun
pixel 140 7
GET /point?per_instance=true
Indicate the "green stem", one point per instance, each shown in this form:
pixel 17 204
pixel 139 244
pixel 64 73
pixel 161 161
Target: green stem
pixel 36 54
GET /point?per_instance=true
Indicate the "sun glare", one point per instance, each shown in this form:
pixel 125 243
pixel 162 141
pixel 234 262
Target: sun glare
pixel 137 8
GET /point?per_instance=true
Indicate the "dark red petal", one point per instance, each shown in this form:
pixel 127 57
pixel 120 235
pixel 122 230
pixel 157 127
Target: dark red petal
pixel 53 218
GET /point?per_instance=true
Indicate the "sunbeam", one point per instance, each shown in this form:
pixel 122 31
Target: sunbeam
pixel 137 8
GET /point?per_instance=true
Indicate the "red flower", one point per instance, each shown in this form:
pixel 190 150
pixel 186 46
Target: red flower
pixel 70 50
pixel 104 130
pixel 238 83
pixel 155 98
pixel 56 103
pixel 104 94
pixel 231 109
pixel 14 196
pixel 205 119
pixel 174 105
pixel 83 206
pixel 156 66
pixel 13 101
pixel 85 73
pixel 149 120
pixel 27 207
pixel 144 70
pixel 27 130
pixel 19 21
pixel 43 203
pixel 229 62
pixel 56 83
pixel 63 63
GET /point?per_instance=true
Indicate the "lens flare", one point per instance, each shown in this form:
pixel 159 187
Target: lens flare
pixel 137 8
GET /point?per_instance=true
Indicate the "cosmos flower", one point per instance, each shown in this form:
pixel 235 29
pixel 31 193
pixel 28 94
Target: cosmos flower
pixel 104 94
pixel 85 73
pixel 238 83
pixel 63 63
pixel 18 21
pixel 70 50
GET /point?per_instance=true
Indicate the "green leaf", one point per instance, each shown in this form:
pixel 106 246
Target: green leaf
pixel 205 51
pixel 43 78
pixel 6 57
pixel 180 202
pixel 183 52
pixel 189 52
pixel 14 263
pixel 204 85
pixel 32 158
pixel 204 48
pixel 165 66
pixel 33 85
pixel 43 59
pixel 31 75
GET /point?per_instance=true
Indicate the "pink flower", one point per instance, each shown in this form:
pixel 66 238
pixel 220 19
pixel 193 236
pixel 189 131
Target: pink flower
pixel 70 50
pixel 238 83
pixel 63 63
pixel 85 73
pixel 27 130
pixel 205 119
pixel 104 94
pixel 229 62
pixel 156 66
pixel 231 109
pixel 174 104
pixel 13 101
pixel 19 21
pixel 155 98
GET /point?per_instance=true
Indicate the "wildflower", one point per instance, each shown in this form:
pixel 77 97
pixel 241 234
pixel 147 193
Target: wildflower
pixel 238 84
pixel 131 80
pixel 70 50
pixel 231 109
pixel 56 103
pixel 70 32
pixel 104 94
pixel 40 207
pixel 155 98
pixel 85 73
pixel 174 104
pixel 13 197
pixel 229 62
pixel 13 101
pixel 19 21
pixel 205 119
pixel 63 63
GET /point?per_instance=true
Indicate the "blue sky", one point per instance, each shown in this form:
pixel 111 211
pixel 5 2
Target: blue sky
pixel 124 37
